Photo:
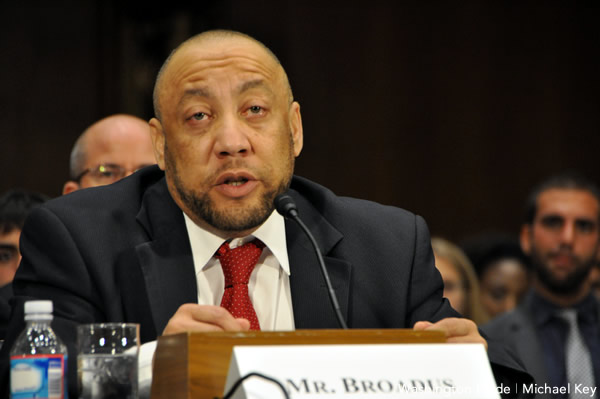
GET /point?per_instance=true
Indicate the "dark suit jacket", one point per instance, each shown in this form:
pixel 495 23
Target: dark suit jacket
pixel 517 332
pixel 122 253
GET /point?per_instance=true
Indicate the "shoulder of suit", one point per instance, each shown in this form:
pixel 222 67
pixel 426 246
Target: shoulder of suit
pixel 327 202
pixel 126 192
pixel 505 323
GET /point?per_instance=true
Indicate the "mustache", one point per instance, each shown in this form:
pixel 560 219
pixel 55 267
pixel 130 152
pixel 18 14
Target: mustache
pixel 562 252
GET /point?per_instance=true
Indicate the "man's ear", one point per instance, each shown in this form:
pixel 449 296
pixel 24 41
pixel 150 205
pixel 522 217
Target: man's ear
pixel 157 135
pixel 296 128
pixel 70 186
pixel 525 238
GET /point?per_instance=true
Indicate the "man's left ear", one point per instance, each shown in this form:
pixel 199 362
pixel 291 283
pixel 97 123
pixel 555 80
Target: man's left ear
pixel 157 135
pixel 296 128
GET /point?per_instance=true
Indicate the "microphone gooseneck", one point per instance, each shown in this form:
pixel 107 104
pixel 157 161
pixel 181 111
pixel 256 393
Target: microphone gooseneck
pixel 286 207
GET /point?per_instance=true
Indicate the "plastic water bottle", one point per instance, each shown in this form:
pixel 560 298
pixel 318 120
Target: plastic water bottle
pixel 38 358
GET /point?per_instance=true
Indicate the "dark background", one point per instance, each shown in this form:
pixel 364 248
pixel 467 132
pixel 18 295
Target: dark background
pixel 450 109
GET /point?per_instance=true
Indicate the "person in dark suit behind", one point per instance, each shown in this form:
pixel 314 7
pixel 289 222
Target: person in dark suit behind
pixel 561 236
pixel 15 205
pixel 147 248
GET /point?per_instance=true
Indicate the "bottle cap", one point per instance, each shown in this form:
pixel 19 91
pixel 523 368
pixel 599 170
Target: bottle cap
pixel 38 308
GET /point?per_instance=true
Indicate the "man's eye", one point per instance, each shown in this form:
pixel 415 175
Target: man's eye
pixel 198 116
pixel 6 256
pixel 255 109
pixel 106 172
pixel 585 226
pixel 552 222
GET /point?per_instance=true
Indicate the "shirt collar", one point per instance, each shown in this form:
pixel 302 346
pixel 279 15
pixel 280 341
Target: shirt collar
pixel 272 233
pixel 587 309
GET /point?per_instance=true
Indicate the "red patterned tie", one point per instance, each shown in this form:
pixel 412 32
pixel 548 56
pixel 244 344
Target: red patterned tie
pixel 237 265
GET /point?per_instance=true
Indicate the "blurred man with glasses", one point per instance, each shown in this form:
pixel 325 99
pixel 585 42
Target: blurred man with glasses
pixel 108 150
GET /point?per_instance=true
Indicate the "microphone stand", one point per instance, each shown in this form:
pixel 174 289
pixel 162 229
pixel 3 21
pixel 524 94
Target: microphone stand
pixel 286 206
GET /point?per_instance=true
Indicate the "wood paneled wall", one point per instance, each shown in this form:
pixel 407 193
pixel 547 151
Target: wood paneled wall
pixel 450 109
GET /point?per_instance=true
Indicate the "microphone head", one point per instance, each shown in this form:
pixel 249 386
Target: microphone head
pixel 285 205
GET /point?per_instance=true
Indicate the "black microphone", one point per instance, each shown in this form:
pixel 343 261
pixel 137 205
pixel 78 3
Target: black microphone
pixel 286 207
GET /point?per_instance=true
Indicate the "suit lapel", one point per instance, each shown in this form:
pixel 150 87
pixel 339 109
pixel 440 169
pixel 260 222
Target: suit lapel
pixel 527 341
pixel 166 260
pixel 168 267
pixel 310 298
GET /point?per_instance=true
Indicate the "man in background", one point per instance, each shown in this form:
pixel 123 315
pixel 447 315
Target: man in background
pixel 108 150
pixel 15 205
pixel 556 329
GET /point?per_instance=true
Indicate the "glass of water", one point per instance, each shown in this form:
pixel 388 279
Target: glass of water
pixel 107 360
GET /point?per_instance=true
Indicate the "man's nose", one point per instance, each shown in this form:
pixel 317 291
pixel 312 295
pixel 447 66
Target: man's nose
pixel 510 302
pixel 231 137
pixel 567 234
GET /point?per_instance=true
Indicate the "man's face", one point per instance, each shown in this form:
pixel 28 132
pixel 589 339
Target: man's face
pixel 563 239
pixel 128 150
pixel 114 148
pixel 9 255
pixel 229 134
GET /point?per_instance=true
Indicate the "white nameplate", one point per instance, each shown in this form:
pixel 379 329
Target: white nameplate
pixel 360 371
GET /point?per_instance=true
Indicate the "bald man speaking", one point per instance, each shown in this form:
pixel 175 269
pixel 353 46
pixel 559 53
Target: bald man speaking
pixel 157 247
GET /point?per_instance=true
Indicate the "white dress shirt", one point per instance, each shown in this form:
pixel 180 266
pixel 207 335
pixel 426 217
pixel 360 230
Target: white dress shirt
pixel 269 286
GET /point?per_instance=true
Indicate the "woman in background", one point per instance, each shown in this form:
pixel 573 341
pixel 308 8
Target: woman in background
pixel 503 271
pixel 460 281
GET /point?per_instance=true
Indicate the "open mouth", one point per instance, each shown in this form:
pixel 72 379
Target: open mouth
pixel 235 181
pixel 236 185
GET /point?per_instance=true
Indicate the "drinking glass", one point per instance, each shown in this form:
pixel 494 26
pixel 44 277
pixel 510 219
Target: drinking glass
pixel 107 361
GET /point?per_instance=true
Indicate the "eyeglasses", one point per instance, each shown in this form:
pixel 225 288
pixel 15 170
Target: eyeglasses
pixel 107 173
pixel 8 253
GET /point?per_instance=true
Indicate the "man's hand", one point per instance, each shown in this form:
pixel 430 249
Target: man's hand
pixel 194 317
pixel 456 330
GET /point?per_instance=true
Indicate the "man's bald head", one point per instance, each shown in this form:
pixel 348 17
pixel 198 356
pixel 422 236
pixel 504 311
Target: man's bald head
pixel 211 36
pixel 122 140
pixel 112 127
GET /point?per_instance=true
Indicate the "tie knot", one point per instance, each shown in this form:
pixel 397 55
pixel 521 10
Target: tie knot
pixel 238 263
pixel 568 315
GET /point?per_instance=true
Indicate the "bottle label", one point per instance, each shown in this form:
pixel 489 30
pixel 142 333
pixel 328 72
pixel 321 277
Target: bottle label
pixel 38 376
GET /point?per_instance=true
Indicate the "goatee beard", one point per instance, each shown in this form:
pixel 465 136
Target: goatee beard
pixel 569 285
pixel 233 219
pixel 236 219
